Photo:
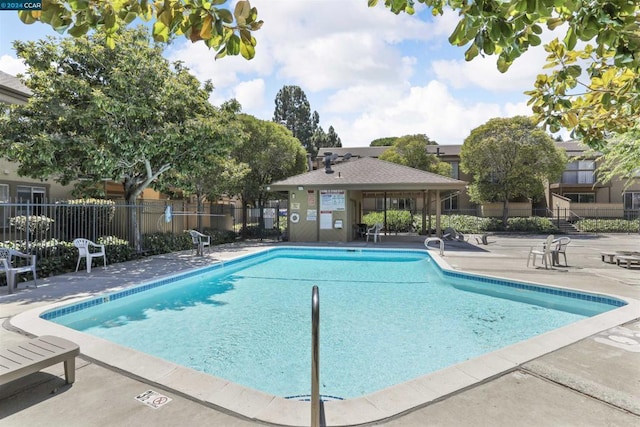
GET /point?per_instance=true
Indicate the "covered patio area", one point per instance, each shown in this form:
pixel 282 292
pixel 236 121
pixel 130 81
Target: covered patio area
pixel 327 205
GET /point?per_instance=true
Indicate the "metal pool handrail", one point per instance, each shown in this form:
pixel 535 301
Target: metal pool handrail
pixel 315 358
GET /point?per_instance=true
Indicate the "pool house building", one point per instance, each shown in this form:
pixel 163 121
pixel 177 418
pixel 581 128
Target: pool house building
pixel 327 204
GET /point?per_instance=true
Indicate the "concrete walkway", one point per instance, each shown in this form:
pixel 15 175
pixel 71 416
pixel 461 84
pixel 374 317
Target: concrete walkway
pixel 593 382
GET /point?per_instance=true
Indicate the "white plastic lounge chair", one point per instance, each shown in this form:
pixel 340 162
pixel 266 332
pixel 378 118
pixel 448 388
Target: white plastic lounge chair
pixel 36 354
pixel 375 232
pixel 545 252
pixel 200 241
pixel 89 250
pixel 560 249
pixel 10 268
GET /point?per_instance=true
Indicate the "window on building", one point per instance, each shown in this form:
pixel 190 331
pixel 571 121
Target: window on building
pixel 402 204
pixel 450 203
pixel 581 197
pixel 631 200
pixel 579 172
pixel 455 170
pixel 33 195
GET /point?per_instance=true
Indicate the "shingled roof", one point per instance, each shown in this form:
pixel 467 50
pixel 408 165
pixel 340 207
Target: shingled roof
pixel 370 174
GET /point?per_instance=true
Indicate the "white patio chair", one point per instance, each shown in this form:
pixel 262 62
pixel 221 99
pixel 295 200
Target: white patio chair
pixel 544 252
pixel 200 241
pixel 560 249
pixel 375 232
pixel 89 250
pixel 11 270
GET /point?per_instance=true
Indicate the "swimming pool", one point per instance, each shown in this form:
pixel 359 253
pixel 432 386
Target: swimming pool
pixel 387 317
pixel 374 406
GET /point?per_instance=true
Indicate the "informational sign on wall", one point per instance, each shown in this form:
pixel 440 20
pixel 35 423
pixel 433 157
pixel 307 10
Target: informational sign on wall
pixel 311 198
pixel 312 214
pixel 326 220
pixel 332 200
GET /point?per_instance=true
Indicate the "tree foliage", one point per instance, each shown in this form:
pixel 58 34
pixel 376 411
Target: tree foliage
pixel 333 140
pixel 592 88
pixel 271 153
pixel 383 142
pixel 411 150
pixel 97 113
pixel 626 146
pixel 215 173
pixel 510 158
pixel 227 32
pixel 294 111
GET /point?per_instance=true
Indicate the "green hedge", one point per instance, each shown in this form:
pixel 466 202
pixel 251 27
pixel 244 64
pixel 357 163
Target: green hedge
pixel 402 221
pixel 58 257
pixel 609 225
pixel 38 225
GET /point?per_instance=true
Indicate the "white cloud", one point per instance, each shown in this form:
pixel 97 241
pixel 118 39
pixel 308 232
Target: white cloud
pixel 430 109
pixel 12 65
pixel 483 72
pixel 250 94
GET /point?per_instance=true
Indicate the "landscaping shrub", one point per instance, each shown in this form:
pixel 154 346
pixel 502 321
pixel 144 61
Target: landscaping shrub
pixel 91 216
pixel 255 232
pixel 463 223
pixel 399 221
pixel 531 224
pixel 219 237
pixel 608 225
pixel 117 250
pixel 373 217
pixel 38 225
pixel 162 243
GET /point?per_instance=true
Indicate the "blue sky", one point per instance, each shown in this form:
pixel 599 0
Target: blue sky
pixel 368 72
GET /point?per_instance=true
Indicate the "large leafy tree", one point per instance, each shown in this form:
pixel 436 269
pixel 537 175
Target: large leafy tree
pixel 599 37
pixel 294 112
pixel 590 90
pixel 271 153
pixel 123 114
pixel 383 142
pixel 592 86
pixel 510 158
pixel 227 32
pixel 215 173
pixel 333 140
pixel 411 150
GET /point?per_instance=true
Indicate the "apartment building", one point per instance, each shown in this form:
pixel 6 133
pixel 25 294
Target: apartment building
pixel 578 193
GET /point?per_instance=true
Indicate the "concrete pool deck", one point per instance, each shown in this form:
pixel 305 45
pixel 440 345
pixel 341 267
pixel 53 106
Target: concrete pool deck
pixel 594 381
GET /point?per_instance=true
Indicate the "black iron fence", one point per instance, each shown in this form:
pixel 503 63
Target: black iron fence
pixel 48 224
pixel 23 224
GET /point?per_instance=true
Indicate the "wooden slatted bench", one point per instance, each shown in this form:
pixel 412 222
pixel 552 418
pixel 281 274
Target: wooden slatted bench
pixel 36 354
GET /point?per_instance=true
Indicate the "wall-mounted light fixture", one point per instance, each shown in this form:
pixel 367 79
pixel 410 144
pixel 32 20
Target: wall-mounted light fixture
pixel 300 188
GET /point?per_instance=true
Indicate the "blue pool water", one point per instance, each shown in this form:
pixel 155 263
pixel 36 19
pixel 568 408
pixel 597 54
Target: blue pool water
pixel 386 317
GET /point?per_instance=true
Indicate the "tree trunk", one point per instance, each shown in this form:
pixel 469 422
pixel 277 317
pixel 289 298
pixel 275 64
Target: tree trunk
pixel 505 213
pixel 244 215
pixel 131 193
